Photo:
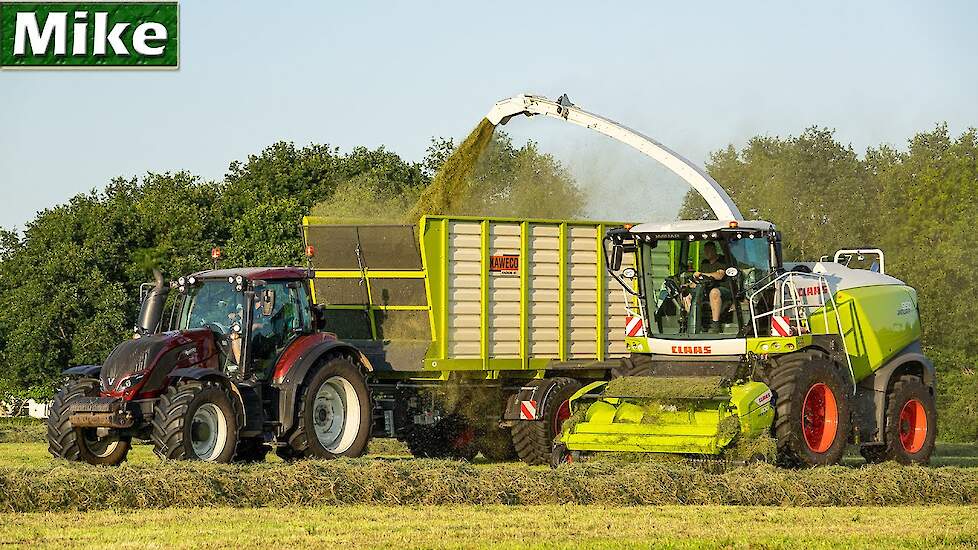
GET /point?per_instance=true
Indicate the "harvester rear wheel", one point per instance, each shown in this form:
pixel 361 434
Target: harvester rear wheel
pixel 911 422
pixel 81 444
pixel 195 420
pixel 811 421
pixel 534 439
pixel 335 412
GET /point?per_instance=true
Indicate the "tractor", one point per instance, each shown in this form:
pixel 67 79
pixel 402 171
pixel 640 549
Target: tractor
pixel 728 343
pixel 246 368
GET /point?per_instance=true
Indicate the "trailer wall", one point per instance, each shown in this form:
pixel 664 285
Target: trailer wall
pixel 468 293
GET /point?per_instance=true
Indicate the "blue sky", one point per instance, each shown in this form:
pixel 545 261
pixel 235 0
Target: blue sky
pixel 695 75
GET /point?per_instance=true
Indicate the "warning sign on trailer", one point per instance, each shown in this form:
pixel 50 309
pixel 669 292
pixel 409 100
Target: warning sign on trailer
pixel 505 263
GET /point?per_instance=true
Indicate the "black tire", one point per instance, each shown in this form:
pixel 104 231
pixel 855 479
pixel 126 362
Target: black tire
pixel 906 390
pixel 794 378
pixel 338 373
pixel 251 449
pixel 534 439
pixel 81 444
pixel 195 420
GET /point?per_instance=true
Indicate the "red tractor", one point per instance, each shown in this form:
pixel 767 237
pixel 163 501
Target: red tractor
pixel 246 368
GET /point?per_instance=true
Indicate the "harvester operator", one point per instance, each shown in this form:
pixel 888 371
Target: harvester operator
pixel 712 266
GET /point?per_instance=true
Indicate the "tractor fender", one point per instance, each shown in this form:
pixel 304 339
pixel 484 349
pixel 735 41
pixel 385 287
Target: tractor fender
pixel 910 360
pixel 296 365
pixel 84 371
pixel 536 391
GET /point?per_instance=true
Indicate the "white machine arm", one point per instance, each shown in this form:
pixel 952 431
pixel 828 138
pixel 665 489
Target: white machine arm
pixel 721 203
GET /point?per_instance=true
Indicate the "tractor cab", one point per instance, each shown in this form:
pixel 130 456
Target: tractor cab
pixel 695 280
pixel 254 313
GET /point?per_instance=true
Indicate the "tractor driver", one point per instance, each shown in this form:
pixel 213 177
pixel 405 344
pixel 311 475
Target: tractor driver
pixel 712 266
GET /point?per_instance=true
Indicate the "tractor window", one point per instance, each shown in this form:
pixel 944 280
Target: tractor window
pixel 213 304
pixel 278 317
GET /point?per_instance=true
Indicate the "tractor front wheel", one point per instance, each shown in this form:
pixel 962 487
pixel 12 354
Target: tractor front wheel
pixel 911 422
pixel 81 444
pixel 811 421
pixel 195 420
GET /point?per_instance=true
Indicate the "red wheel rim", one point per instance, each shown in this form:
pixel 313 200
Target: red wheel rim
pixel 913 426
pixel 819 418
pixel 563 413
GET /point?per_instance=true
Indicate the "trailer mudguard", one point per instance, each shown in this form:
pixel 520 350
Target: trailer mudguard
pixel 538 393
pixel 84 371
pixel 290 377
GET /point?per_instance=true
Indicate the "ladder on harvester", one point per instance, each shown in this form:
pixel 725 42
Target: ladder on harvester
pixel 795 299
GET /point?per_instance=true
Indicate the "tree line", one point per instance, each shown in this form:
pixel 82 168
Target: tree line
pixel 69 280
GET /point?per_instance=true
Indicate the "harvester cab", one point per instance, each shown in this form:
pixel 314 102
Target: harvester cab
pixel 736 354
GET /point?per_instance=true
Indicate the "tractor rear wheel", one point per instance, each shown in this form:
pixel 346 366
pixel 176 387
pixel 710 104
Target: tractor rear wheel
pixel 811 421
pixel 534 439
pixel 81 444
pixel 334 413
pixel 911 422
pixel 195 420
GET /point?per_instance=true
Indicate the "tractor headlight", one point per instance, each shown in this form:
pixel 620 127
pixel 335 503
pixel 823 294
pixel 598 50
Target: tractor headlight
pixel 128 382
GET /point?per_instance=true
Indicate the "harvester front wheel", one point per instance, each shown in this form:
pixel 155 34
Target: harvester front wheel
pixel 911 422
pixel 81 444
pixel 335 412
pixel 195 420
pixel 534 439
pixel 812 421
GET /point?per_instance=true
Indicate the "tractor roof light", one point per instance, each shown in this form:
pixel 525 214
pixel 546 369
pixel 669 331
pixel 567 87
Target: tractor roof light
pixel 310 251
pixel 733 224
pixel 216 253
pixel 239 280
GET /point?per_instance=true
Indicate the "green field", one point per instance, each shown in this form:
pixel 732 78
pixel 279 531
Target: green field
pixel 501 526
pixel 389 500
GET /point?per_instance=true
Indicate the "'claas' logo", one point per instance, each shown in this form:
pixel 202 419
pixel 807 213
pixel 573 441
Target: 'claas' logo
pixel 506 263
pixel 692 350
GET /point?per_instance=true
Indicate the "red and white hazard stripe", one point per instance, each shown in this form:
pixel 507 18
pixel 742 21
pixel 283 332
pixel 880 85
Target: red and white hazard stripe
pixel 634 326
pixel 528 410
pixel 780 325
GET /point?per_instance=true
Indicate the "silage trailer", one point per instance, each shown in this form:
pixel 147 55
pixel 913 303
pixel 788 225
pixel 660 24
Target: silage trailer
pixel 472 326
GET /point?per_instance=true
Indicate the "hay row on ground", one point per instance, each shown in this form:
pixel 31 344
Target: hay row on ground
pixel 63 486
pixel 22 430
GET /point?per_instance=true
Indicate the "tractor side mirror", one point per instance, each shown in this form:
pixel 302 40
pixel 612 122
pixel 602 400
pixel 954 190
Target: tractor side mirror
pixel 617 252
pixel 267 302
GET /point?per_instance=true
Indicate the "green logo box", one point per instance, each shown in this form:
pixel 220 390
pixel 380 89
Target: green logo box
pixel 77 35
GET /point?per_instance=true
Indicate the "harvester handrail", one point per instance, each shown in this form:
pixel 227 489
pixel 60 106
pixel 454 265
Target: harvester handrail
pixel 801 308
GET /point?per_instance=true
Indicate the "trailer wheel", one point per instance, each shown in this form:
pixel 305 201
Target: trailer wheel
pixel 911 422
pixel 81 444
pixel 811 421
pixel 335 413
pixel 195 420
pixel 534 439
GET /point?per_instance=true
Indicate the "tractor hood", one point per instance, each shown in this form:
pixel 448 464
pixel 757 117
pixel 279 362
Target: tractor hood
pixel 141 365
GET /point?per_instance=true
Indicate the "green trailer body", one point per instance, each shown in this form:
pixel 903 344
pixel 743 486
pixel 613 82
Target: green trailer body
pixel 478 295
